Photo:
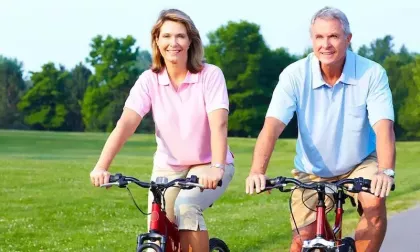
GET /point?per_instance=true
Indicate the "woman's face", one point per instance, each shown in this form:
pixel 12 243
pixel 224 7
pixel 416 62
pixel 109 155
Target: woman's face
pixel 173 42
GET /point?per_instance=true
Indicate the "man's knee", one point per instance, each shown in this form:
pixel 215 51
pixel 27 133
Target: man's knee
pixel 305 233
pixel 372 207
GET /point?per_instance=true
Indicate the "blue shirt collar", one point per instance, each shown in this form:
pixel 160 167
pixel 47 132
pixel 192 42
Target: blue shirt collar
pixel 348 76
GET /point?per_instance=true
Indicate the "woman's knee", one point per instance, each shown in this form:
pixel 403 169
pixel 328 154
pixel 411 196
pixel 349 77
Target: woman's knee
pixel 189 216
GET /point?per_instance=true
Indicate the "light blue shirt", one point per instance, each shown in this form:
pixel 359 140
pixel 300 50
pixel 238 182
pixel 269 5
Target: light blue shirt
pixel 335 123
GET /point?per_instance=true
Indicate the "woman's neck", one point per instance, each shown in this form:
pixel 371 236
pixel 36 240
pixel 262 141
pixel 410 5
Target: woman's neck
pixel 176 73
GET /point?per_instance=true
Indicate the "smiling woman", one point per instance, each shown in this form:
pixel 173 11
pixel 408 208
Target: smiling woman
pixel 175 39
pixel 190 107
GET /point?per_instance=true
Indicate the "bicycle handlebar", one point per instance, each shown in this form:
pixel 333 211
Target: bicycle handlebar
pixel 185 183
pixel 358 184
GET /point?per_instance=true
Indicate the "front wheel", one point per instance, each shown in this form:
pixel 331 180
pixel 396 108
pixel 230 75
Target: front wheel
pixel 218 245
pixel 348 245
pixel 149 247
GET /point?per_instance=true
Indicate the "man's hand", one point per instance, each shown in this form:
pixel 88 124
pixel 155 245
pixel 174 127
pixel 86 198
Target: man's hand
pixel 381 184
pixel 256 180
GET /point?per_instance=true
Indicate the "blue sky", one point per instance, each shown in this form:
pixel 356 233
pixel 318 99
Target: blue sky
pixel 36 32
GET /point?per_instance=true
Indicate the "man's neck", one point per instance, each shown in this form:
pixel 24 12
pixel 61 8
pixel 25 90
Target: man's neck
pixel 331 73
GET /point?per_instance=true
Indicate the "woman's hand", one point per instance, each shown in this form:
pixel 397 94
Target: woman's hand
pixel 210 179
pixel 99 176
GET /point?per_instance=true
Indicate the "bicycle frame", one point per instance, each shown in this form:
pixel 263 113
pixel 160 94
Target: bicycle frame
pixel 324 232
pixel 161 229
pixel 326 238
pixel 323 227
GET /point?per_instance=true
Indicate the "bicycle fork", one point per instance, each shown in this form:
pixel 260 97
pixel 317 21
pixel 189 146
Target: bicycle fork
pixel 324 236
pixel 338 217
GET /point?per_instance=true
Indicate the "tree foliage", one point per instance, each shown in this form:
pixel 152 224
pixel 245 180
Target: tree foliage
pixel 91 97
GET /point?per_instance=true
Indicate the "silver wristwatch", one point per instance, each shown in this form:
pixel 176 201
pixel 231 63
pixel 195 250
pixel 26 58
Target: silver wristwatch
pixel 389 172
pixel 221 166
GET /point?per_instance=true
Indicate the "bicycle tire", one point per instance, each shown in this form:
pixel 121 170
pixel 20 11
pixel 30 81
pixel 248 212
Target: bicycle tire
pixel 216 244
pixel 348 245
pixel 146 246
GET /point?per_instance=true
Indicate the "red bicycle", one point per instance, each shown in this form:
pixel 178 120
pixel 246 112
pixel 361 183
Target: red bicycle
pixel 161 229
pixel 327 239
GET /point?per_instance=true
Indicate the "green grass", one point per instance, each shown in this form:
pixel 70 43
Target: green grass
pixel 48 203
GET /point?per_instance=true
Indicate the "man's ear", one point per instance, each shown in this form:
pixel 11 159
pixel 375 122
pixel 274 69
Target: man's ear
pixel 349 38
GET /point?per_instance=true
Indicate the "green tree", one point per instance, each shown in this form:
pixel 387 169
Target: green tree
pixel 400 77
pixel 43 105
pixel 409 112
pixel 379 49
pixel 251 70
pixel 75 89
pixel 115 61
pixel 12 87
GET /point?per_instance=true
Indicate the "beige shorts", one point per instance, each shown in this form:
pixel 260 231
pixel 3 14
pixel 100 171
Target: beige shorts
pixel 186 207
pixel 300 204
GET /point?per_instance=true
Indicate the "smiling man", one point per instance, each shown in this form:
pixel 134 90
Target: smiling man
pixel 345 115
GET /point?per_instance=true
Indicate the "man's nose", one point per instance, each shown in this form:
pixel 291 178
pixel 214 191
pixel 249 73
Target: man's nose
pixel 326 43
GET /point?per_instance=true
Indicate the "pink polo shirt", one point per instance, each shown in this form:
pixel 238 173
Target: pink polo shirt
pixel 181 121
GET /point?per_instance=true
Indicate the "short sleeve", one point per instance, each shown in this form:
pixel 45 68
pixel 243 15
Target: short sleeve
pixel 283 101
pixel 215 91
pixel 139 98
pixel 379 99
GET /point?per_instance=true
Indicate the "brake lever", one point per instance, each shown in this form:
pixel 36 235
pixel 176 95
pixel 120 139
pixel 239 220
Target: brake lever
pixel 282 189
pixel 189 185
pixel 353 203
pixel 110 184
pixel 120 185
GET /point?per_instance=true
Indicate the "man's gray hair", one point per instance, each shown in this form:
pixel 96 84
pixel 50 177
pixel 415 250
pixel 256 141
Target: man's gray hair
pixel 333 13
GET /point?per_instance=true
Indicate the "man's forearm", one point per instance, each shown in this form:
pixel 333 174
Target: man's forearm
pixel 265 144
pixel 385 145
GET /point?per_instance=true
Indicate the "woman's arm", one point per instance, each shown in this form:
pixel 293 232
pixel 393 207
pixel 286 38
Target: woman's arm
pixel 218 120
pixel 126 126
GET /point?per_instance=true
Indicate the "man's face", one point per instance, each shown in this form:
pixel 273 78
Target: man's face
pixel 329 41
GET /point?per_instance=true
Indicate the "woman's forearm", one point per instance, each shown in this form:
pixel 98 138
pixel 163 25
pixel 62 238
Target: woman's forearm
pixel 218 127
pixel 125 127
pixel 219 145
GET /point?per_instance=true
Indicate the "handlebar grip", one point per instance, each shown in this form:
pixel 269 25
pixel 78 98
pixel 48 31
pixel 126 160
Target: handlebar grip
pixel 194 179
pixel 114 178
pixel 366 183
pixel 270 182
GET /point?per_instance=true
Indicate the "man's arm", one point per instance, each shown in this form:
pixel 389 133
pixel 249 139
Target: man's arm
pixel 279 114
pixel 385 144
pixel 385 149
pixel 381 117
pixel 265 144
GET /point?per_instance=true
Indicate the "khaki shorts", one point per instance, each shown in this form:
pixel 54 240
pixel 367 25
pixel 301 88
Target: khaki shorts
pixel 186 207
pixel 304 216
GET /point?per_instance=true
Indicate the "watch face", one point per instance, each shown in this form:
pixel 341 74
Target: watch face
pixel 389 172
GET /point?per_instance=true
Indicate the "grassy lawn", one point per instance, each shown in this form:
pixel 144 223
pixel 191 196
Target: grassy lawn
pixel 48 203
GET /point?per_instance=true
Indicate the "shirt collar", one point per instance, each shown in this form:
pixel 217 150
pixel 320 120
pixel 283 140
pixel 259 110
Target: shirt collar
pixel 348 76
pixel 163 78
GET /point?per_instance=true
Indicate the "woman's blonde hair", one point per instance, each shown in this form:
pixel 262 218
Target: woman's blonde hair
pixel 196 51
